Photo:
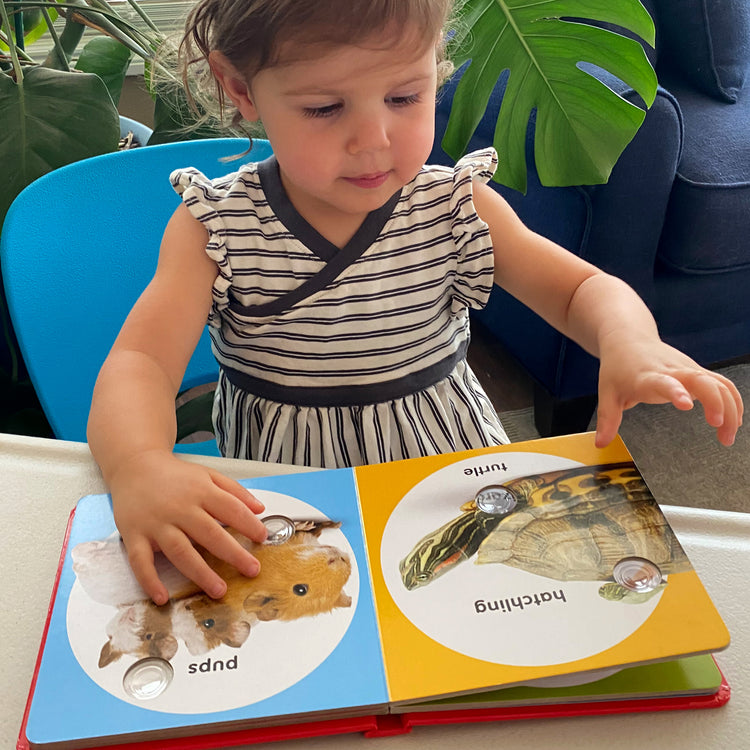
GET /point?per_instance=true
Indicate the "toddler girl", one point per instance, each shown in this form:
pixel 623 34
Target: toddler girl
pixel 337 278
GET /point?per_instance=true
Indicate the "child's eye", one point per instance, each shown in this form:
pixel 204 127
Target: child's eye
pixel 403 101
pixel 326 111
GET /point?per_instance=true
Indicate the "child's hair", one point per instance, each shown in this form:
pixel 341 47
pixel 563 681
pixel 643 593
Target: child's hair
pixel 255 34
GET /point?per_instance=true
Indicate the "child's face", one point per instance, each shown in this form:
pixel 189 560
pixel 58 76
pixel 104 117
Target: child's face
pixel 348 128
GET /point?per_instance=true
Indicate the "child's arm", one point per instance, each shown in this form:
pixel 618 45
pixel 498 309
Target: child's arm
pixel 608 319
pixel 159 500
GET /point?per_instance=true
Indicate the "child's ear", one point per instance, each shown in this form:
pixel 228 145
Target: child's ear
pixel 234 85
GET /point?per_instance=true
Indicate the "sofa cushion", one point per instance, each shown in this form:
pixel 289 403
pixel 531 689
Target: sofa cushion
pixel 709 42
pixel 708 222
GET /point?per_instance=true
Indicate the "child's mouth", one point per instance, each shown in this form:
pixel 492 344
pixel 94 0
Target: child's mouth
pixel 374 180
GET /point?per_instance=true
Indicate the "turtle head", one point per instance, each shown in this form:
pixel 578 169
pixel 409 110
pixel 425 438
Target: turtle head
pixel 418 568
pixel 411 576
pixel 442 549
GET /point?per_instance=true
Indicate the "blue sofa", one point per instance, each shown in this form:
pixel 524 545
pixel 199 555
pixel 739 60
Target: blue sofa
pixel 673 220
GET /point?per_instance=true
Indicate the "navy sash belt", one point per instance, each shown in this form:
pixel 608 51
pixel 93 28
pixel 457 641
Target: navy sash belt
pixel 347 395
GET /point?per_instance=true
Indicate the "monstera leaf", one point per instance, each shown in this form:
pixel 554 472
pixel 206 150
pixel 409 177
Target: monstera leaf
pixel 582 126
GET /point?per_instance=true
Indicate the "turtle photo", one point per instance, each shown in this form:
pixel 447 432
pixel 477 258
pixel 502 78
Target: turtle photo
pixel 592 523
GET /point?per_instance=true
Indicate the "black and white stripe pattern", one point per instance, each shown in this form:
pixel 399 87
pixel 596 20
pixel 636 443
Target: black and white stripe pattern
pixel 338 357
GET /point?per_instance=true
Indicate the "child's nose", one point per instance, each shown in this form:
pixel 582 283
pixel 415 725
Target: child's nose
pixel 368 134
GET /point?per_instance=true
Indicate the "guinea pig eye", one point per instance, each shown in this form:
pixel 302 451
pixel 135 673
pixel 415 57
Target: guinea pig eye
pixel 300 589
pixel 208 623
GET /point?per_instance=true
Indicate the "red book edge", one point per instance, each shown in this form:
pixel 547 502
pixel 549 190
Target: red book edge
pixel 385 725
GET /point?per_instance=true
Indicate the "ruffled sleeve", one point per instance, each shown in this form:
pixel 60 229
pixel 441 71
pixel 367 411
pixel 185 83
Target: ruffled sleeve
pixel 205 199
pixel 474 277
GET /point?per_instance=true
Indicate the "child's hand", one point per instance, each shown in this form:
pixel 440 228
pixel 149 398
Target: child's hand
pixel 164 503
pixel 655 373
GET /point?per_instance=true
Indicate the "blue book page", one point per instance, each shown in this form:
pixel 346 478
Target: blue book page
pixel 300 640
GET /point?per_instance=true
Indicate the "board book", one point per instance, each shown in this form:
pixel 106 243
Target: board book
pixel 527 580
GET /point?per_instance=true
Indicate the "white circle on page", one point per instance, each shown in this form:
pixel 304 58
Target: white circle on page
pixel 225 677
pixel 495 612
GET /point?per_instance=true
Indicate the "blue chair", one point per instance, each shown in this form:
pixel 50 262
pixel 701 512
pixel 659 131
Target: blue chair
pixel 77 248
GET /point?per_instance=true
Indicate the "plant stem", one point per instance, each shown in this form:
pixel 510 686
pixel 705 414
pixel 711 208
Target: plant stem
pixel 59 56
pixel 142 13
pixel 21 54
pixel 55 39
pixel 13 50
pixel 97 21
pixel 19 31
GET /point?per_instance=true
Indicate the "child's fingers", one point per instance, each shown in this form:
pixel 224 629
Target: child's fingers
pixel 141 559
pixel 608 420
pixel 731 412
pixel 604 434
pixel 241 493
pixel 732 406
pixel 660 388
pixel 223 505
pixel 721 401
pixel 183 555
pixel 714 404
pixel 222 545
pixel 657 388
pixel 726 434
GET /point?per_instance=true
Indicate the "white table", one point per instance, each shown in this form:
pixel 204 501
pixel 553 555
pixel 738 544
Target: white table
pixel 40 481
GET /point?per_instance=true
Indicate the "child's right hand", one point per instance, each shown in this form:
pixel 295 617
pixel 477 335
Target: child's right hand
pixel 162 502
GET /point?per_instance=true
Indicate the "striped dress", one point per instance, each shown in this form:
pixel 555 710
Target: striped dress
pixel 339 357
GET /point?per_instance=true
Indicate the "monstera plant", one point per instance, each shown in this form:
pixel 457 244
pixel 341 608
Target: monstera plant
pixel 52 112
pixel 63 108
pixel 548 52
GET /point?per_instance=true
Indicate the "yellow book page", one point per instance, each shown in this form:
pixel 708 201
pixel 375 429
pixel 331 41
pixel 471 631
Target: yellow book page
pixel 467 600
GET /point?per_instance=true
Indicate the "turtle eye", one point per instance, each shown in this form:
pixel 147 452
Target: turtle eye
pixel 300 589
pixel 209 623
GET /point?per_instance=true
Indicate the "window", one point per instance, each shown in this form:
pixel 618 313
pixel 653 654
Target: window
pixel 167 15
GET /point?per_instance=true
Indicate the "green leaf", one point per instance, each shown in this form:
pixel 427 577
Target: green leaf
pixel 109 60
pixel 33 24
pixel 582 126
pixel 52 118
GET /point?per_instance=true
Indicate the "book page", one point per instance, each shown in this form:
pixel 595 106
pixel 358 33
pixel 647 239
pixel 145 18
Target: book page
pixel 286 643
pixel 480 599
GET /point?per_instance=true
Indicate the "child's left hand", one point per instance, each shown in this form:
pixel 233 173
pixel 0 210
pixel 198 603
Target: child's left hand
pixel 653 372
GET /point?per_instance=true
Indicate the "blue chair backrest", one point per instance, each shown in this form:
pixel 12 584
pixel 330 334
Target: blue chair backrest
pixel 77 248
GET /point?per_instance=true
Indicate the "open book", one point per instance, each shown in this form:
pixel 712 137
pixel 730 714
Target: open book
pixel 532 579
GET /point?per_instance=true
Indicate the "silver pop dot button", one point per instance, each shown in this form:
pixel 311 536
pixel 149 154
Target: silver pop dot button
pixel 148 678
pixel 495 499
pixel 637 574
pixel 280 529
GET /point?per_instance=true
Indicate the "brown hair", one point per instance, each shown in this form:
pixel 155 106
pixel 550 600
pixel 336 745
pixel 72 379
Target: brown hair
pixel 258 34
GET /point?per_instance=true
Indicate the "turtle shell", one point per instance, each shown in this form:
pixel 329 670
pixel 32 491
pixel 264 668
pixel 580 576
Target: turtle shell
pixel 576 525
